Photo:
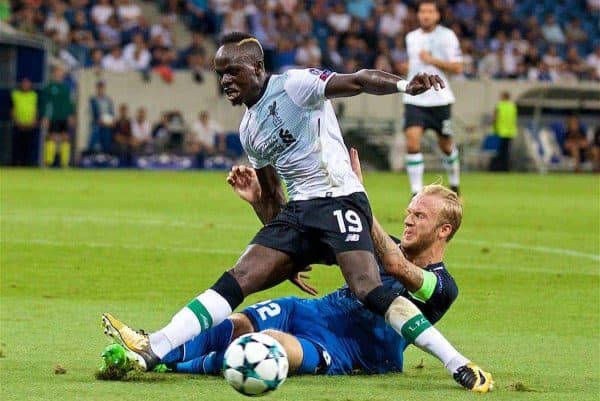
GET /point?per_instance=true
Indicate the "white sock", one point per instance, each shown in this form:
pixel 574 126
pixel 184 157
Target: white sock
pixel 407 320
pixel 452 166
pixel 415 168
pixel 204 311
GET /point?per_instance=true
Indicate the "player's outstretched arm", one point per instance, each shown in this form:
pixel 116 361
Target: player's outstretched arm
pixel 376 82
pixel 390 254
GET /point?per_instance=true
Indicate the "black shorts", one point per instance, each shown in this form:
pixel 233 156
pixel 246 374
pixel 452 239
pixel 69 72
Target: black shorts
pixel 437 118
pixel 59 126
pixel 315 230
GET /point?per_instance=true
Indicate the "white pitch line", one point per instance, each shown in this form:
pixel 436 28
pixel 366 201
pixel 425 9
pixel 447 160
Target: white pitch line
pixel 217 251
pixel 536 248
pixel 106 245
pixel 128 220
pixel 143 221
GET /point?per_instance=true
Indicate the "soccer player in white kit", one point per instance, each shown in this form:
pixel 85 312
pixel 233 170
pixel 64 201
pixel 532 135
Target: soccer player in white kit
pixel 290 131
pixel 433 49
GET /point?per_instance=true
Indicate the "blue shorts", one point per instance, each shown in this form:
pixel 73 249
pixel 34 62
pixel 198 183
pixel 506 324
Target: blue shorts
pixel 348 335
pixel 300 317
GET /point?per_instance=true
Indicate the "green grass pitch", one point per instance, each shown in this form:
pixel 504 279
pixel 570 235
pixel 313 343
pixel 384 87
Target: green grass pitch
pixel 140 244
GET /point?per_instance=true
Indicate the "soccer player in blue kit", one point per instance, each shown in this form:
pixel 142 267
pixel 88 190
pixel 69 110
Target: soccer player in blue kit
pixel 290 131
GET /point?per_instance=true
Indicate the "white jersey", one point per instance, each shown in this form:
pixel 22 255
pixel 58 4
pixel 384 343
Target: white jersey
pixel 294 129
pixel 443 44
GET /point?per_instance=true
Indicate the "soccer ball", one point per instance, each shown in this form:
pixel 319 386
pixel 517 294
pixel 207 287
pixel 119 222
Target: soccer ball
pixel 255 364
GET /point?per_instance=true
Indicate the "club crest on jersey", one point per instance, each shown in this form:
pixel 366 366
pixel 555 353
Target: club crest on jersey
pixel 277 121
pixel 323 74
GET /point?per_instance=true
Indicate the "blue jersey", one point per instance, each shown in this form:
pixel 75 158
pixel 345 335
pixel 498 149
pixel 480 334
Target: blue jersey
pixel 350 336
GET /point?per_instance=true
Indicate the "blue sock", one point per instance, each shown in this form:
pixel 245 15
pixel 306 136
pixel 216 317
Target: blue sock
pixel 310 357
pixel 208 364
pixel 216 338
pixel 174 356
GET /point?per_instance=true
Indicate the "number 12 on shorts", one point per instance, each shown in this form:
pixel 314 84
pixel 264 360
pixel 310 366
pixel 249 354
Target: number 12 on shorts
pixel 349 221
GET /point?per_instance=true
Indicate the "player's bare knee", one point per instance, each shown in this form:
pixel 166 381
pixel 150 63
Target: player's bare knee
pixel 290 343
pixel 241 325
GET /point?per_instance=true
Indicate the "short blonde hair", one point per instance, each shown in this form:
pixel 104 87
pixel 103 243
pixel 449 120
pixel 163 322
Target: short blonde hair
pixel 452 210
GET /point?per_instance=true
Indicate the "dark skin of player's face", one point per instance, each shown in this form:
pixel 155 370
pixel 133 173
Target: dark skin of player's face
pixel 241 78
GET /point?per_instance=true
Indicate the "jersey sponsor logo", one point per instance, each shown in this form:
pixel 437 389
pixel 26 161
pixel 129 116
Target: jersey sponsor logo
pixel 277 121
pixel 286 137
pixel 323 74
pixel 352 238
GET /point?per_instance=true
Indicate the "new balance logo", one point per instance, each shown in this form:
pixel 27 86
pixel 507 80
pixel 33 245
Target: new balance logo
pixel 352 238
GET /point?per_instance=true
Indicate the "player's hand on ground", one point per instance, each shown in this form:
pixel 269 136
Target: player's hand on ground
pixel 355 163
pixel 423 82
pixel 299 280
pixel 245 183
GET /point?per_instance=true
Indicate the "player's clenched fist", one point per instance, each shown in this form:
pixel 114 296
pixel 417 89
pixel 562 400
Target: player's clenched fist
pixel 245 183
pixel 423 82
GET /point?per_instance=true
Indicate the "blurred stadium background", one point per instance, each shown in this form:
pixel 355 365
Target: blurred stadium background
pixel 152 60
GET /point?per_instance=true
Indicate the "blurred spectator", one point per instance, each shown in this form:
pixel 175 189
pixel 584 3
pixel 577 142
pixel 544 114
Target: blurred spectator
pixel 532 58
pixel 505 126
pixel 576 144
pixel 575 64
pixel 205 133
pixel 200 17
pixel 101 12
pixel 196 46
pixel 575 33
pixel 103 120
pixel 124 142
pixel 129 13
pixel 160 132
pixel 339 20
pixel 552 31
pixel 136 55
pixel 197 64
pixel 390 23
pixel 308 53
pixel 466 10
pixel 141 132
pixel 57 22
pixel 110 33
pixel 115 62
pixel 552 59
pixel 541 73
pixel 163 60
pixel 593 62
pixel 162 34
pixel 58 118
pixel 26 21
pixel 332 59
pixel 491 64
pixel 96 60
pixel 469 68
pixel 236 19
pixel 262 25
pixel 24 115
